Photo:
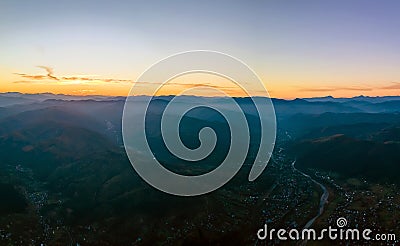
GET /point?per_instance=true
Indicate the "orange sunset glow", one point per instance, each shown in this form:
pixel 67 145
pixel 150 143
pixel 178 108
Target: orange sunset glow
pixel 46 80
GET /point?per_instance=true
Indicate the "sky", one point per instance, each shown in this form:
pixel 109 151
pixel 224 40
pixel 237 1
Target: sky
pixel 303 48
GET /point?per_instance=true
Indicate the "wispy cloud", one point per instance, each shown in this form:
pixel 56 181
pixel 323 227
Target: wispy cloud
pixel 51 78
pixel 50 72
pixel 327 89
pixel 203 85
pixel 393 86
pixel 31 77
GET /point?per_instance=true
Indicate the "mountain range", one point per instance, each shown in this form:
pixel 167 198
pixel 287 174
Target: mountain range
pixel 70 148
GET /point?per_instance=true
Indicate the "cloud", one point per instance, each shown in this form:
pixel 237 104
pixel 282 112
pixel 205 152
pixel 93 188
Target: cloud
pixel 51 78
pixel 50 72
pixel 32 77
pixel 205 85
pixel 183 86
pixel 316 89
pixel 393 86
pixel 328 89
pixel 390 86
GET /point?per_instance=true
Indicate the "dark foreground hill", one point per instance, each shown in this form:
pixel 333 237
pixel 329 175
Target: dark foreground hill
pixel 376 159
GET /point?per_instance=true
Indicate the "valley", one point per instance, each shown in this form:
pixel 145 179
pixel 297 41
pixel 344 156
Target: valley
pixel 65 176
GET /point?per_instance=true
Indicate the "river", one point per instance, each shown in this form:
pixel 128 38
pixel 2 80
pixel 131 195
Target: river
pixel 323 199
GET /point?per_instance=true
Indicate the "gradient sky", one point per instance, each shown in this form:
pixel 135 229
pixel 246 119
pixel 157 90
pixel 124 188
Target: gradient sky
pixel 299 48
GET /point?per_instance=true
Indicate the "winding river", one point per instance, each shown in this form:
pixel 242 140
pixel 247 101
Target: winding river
pixel 323 200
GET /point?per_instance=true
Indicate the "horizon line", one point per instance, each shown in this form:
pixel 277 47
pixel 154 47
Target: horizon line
pixel 171 95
